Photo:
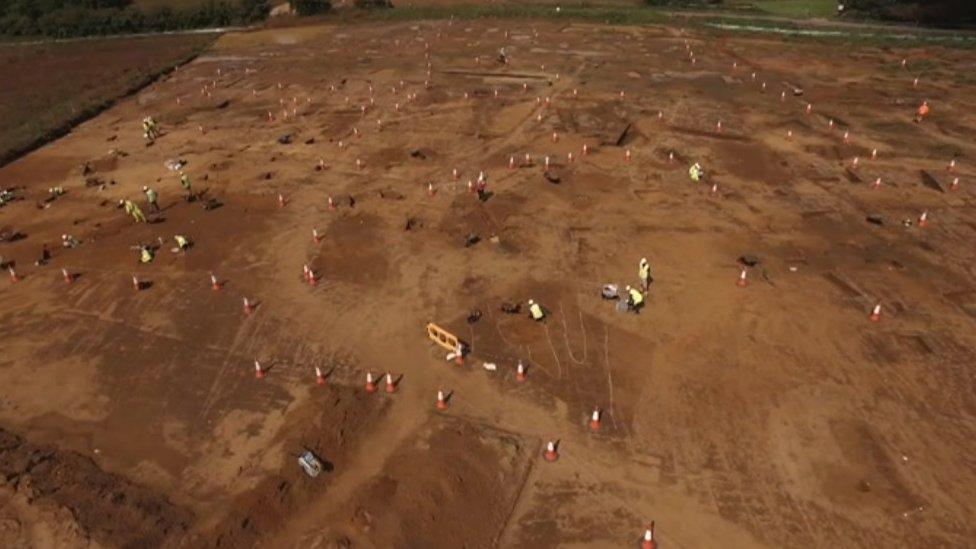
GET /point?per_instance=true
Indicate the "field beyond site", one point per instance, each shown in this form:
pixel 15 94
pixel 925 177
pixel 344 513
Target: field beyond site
pixel 768 414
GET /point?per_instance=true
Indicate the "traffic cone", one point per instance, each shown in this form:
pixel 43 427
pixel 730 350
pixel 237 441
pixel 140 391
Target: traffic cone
pixel 441 401
pixel 877 184
pixel 550 453
pixel 281 201
pixel 455 174
pixel 809 108
pixel 370 384
pixel 955 184
pixel 319 378
pixel 595 420
pixel 68 277
pixel 332 204
pixel 789 135
pixel 671 157
pixel 390 386
pixel 847 137
pixel 575 93
pixel 874 154
pixel 569 158
pixel 952 165
pixel 923 219
pixel 136 285
pixel 316 237
pixel 214 283
pixel 555 137
pixel 627 155
pixel 647 541
pixel 714 190
pixel 248 308
pixel 830 124
pixel 586 149
pixel 359 163
pixel 511 162
pixel 660 115
pixel 470 187
pixel 875 315
pixel 742 282
pixel 855 162
pixel 258 371
pixel 718 127
pixel 311 278
pixel 270 117
pixel 915 82
pixel 430 189
pixel 782 97
pixel 520 372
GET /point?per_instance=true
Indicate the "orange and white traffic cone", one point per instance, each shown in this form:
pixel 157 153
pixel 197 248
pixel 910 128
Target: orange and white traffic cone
pixel 647 540
pixel 455 174
pixel 952 166
pixel 281 201
pixel 511 162
pixel 390 385
pixel 311 278
pixel 877 184
pixel 332 204
pixel 370 384
pixel 714 189
pixel 441 401
pixel 782 97
pixel 875 315
pixel 595 420
pixel 718 127
pixel 923 219
pixel 319 377
pixel 955 184
pixel 915 82
pixel 809 108
pixel 430 189
pixel 68 277
pixel 546 164
pixel 569 158
pixel 136 285
pixel 214 283
pixel 627 155
pixel 248 307
pixel 270 117
pixel 470 187
pixel 742 282
pixel 550 454
pixel 855 163
pixel 671 157
pixel 555 137
pixel 874 154
pixel 316 237
pixel 520 372
pixel 847 137
pixel 360 163
pixel 586 149
pixel 258 371
pixel 830 124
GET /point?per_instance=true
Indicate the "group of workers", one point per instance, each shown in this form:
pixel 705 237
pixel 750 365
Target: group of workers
pixel 635 296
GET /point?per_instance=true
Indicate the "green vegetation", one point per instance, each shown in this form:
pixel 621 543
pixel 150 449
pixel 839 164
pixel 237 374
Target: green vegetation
pixel 71 18
pixel 798 8
pixel 60 85
pixel 311 7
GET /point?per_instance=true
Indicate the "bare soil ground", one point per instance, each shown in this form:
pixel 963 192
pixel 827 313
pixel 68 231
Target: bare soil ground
pixel 774 415
pixel 50 87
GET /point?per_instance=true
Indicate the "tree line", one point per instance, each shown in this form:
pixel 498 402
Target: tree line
pixel 72 18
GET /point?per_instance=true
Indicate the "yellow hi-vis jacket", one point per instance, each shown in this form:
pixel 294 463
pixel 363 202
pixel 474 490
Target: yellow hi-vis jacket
pixel 636 298
pixel 536 311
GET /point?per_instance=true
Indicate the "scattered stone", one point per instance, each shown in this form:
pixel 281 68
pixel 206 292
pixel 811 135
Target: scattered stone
pixel 475 316
pixel 391 194
pixel 875 218
pixel 748 260
pixel 285 139
pixel 552 177
pixel 266 175
pixel 417 153
pixel 412 223
pixel 471 240
pixel 310 141
pixel 223 104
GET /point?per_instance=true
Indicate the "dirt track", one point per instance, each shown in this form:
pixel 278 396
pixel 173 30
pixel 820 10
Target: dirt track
pixel 774 415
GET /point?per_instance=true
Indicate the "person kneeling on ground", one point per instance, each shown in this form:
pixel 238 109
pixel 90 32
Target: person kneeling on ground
pixel 535 311
pixel 635 299
pixel 181 243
